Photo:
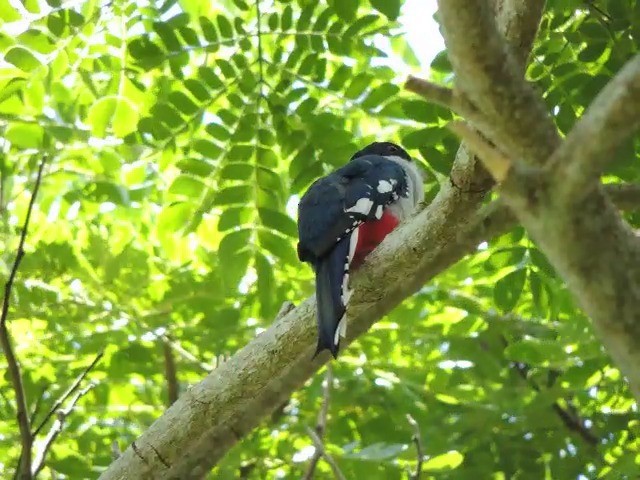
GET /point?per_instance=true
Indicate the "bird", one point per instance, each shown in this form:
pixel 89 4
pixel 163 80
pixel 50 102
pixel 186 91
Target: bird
pixel 344 216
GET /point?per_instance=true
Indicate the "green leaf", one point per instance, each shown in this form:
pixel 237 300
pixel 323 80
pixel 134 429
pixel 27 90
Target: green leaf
pixel 208 30
pixel 234 195
pixel 593 51
pixel 424 137
pixel 441 63
pixel 273 21
pixel 197 89
pixel 209 77
pixel 196 166
pixel 117 112
pixel 278 246
pixel 183 103
pixel 145 51
pixel 22 135
pixel 360 24
pixel 7 12
pixel 278 221
pixel 389 8
pixel 173 217
pixel 378 452
pixel 225 27
pixel 22 58
pixel 346 9
pixel 508 289
pixel 379 95
pixel 188 186
pixel 237 171
pixel 444 462
pixel 533 351
pixel 419 111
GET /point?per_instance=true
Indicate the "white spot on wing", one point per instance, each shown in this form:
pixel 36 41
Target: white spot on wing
pixel 362 206
pixel 384 186
pixel 379 212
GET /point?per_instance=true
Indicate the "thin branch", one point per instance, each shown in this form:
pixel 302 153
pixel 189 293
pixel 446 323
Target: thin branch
pixel 321 425
pixel 54 431
pixel 443 96
pixel 416 438
pixel 67 393
pixel 610 120
pixel 5 340
pixel 115 450
pixel 317 442
pixel 170 373
pixel 20 254
pixel 260 58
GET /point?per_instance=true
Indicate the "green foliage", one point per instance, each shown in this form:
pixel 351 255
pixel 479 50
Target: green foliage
pixel 180 135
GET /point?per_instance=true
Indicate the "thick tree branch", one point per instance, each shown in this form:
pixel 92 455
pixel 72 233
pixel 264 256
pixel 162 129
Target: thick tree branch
pixel 591 145
pixel 15 374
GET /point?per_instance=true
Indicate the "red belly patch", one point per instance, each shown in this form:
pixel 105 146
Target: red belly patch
pixel 370 234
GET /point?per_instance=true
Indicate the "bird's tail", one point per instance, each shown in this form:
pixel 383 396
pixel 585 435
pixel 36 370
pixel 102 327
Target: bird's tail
pixel 330 297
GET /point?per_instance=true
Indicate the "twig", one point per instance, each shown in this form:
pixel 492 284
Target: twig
pixel 115 450
pixel 63 398
pixel 14 368
pixel 496 162
pixel 20 254
pixel 443 96
pixel 321 424
pixel 170 373
pixel 317 442
pixel 55 430
pixel 416 438
pixel 186 354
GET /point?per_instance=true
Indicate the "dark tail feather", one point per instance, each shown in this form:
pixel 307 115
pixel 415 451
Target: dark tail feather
pixel 330 271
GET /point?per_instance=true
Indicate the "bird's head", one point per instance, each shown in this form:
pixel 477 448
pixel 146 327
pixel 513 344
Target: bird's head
pixel 385 149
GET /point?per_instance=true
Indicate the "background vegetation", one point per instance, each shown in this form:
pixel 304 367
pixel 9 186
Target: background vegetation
pixel 177 137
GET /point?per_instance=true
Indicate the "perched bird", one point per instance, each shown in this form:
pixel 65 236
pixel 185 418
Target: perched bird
pixel 344 216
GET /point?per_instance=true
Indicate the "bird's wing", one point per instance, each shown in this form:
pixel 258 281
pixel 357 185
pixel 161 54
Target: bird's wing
pixel 337 204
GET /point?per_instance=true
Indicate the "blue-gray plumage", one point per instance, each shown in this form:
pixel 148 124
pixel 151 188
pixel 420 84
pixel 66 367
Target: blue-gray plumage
pixel 343 216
